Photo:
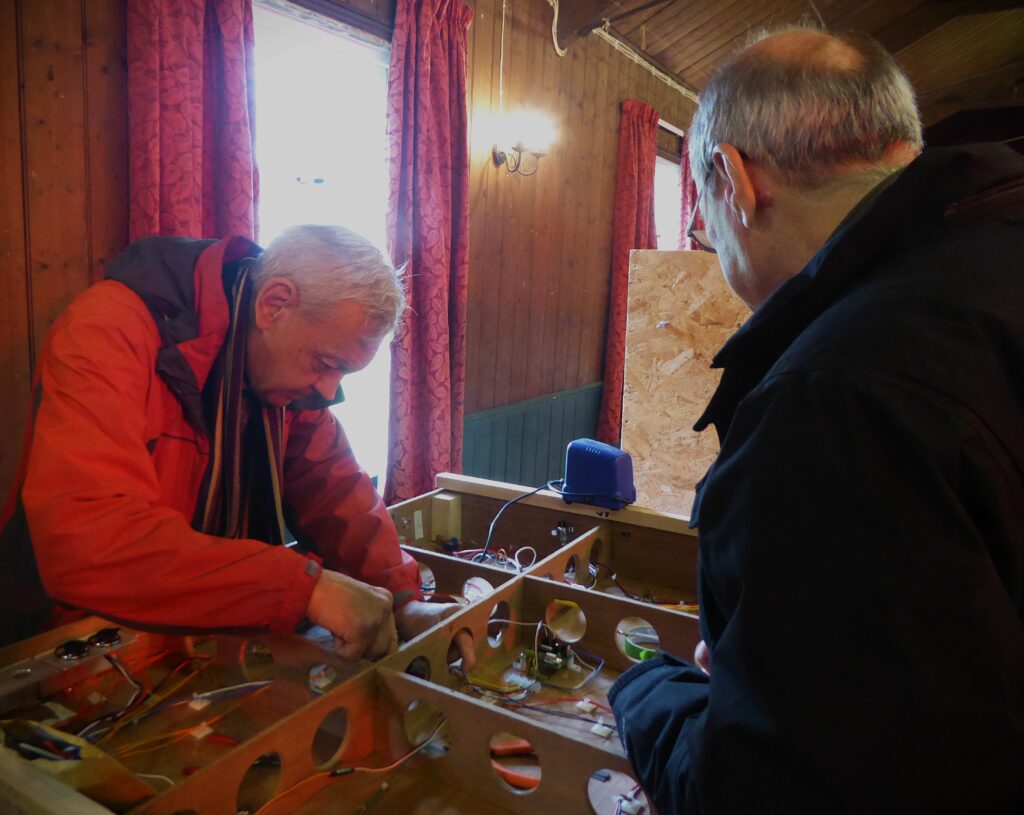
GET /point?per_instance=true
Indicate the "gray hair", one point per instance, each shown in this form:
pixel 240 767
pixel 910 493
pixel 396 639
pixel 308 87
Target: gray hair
pixel 330 264
pixel 805 117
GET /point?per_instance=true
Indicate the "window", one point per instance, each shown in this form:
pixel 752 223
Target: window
pixel 667 203
pixel 320 122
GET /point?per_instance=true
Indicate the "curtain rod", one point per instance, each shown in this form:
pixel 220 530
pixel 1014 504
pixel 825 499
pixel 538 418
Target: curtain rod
pixel 671 128
pixel 621 47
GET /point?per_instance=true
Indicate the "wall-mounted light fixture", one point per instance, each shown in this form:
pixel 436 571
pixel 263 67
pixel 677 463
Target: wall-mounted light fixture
pixel 524 139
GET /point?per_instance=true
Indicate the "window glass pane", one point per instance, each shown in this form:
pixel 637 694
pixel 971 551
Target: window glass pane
pixel 667 203
pixel 320 144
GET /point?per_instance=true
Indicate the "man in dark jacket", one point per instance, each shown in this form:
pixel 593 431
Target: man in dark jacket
pixel 862 530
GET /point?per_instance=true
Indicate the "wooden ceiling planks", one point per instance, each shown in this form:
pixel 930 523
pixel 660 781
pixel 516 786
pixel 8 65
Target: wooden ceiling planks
pixel 733 33
pixel 873 16
pixel 970 62
pixel 960 54
pixel 968 46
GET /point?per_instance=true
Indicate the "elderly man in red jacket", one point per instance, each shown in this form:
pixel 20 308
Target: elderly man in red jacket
pixel 182 423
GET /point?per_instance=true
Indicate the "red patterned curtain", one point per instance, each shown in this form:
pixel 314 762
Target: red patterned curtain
pixel 632 228
pixel 427 229
pixel 689 193
pixel 192 170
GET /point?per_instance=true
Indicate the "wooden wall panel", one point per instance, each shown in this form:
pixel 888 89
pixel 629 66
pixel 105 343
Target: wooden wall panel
pixel 63 176
pixel 55 141
pixel 107 147
pixel 15 349
pixel 540 246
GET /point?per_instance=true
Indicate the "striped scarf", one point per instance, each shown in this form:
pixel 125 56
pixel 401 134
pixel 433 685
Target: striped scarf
pixel 241 492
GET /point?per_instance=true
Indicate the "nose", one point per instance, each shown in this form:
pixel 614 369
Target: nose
pixel 327 385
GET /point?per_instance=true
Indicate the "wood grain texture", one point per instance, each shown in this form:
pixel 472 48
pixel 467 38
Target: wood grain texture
pixel 690 37
pixel 15 345
pixel 63 176
pixel 55 151
pixel 680 313
pixel 384 710
pixel 540 247
pixel 106 78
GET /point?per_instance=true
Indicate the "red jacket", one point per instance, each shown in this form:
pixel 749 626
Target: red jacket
pixel 112 471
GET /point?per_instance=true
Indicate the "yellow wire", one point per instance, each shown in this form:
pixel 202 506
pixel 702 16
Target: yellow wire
pixel 177 735
pixel 150 703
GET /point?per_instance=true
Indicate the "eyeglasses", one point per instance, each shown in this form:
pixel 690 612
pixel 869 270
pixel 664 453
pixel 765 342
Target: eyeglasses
pixel 699 236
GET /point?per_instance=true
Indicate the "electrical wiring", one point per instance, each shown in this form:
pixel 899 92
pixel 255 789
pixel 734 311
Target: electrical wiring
pixel 153 697
pixel 152 701
pixel 169 781
pixel 171 674
pixel 632 595
pixel 554 30
pixel 557 486
pixel 139 695
pixel 167 739
pixel 560 714
pixel 567 699
pixel 494 521
pixel 594 671
pixel 515 557
pixel 339 772
pixel 539 626
pixel 207 696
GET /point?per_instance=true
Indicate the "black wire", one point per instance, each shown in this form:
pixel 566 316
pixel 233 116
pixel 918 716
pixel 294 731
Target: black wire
pixel 482 554
pixel 560 713
pixel 582 496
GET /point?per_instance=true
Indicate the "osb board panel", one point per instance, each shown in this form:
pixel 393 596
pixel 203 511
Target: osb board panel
pixel 681 311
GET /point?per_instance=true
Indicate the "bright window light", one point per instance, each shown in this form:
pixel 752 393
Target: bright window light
pixel 668 203
pixel 321 101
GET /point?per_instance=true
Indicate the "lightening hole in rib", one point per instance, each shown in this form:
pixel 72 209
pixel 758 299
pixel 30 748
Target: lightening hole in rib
pixel 636 639
pixel 609 790
pixel 566 620
pixel 424 722
pixel 515 762
pixel 260 782
pixel 329 738
pixel 495 629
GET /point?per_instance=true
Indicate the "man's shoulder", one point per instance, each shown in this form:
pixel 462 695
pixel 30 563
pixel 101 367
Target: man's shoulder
pixel 108 308
pixel 946 326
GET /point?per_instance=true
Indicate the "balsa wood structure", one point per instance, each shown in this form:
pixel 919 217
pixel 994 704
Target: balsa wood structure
pixel 279 724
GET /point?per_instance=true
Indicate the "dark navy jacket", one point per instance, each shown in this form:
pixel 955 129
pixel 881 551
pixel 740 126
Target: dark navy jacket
pixel 862 530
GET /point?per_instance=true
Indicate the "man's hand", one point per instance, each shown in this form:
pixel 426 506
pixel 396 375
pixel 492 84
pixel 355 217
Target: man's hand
pixel 359 616
pixel 416 617
pixel 702 657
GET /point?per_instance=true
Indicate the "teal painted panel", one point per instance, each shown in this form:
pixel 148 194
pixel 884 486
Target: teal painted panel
pixel 524 443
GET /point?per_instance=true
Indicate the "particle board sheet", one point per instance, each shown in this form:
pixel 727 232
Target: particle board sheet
pixel 680 312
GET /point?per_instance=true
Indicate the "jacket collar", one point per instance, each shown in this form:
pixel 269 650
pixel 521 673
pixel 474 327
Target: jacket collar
pixel 181 282
pixel 903 213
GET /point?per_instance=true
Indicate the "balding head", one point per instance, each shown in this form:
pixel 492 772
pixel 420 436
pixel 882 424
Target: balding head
pixel 807 105
pixel 804 46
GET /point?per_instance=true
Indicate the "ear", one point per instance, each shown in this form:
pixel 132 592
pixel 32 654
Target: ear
pixel 739 183
pixel 276 298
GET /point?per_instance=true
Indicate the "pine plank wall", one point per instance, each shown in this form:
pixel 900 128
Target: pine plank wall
pixel 63 177
pixel 540 246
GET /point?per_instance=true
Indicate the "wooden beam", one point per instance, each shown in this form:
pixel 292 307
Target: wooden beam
pixel 995 89
pixel 644 7
pixel 580 17
pixel 926 17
